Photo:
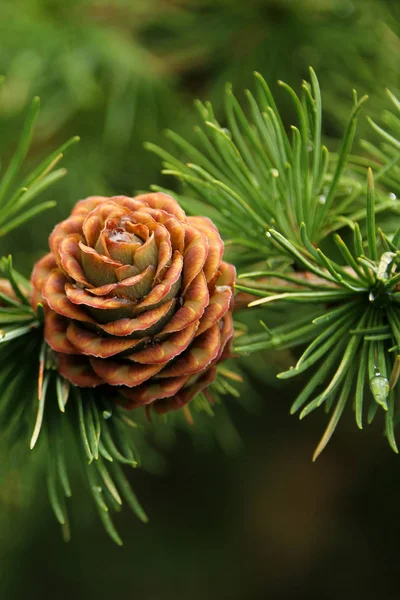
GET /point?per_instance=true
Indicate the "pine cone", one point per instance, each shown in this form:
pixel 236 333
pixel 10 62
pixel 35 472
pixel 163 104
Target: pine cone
pixel 136 296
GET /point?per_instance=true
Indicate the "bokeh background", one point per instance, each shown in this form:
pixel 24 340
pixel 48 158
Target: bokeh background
pixel 228 520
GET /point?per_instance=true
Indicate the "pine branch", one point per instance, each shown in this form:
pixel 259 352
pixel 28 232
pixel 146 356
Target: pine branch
pixel 354 337
pixel 255 176
pixel 387 155
pixel 15 199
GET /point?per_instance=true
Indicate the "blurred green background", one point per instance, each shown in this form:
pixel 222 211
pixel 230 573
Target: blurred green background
pixel 263 522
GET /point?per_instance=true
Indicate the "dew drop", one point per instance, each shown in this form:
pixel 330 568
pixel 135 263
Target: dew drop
pixel 392 196
pixel 380 389
pixel 371 297
pixel 107 414
pixel 275 173
pixel 268 234
pixel 322 199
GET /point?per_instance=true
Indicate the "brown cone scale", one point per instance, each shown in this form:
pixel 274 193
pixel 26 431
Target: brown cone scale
pixel 137 297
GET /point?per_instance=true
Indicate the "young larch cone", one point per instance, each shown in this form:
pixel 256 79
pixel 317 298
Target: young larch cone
pixel 136 295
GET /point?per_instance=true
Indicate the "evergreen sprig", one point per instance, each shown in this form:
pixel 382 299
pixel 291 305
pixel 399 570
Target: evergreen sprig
pixel 100 431
pixel 254 175
pixel 15 199
pixel 353 336
pixel 385 155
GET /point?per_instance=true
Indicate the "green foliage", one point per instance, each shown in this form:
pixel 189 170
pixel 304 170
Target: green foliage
pixel 15 200
pixel 354 335
pixel 254 176
pixel 386 156
pixel 100 430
